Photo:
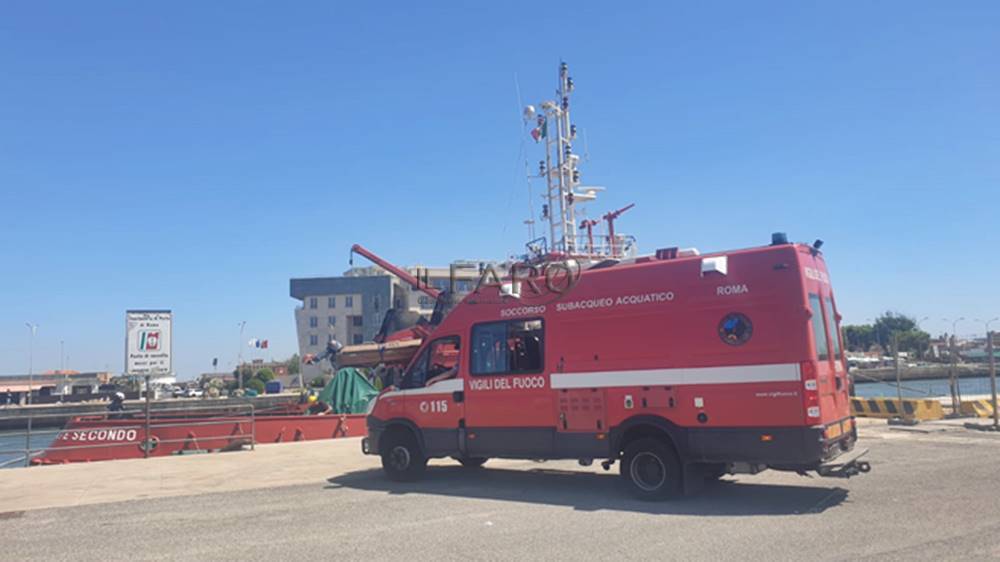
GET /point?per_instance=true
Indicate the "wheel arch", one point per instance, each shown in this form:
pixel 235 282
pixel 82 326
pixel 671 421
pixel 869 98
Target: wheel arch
pixel 648 426
pixel 395 425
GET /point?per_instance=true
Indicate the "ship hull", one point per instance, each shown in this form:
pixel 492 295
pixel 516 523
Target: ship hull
pixel 89 439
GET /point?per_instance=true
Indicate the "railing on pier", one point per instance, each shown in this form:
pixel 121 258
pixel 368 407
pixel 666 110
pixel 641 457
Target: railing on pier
pixel 144 429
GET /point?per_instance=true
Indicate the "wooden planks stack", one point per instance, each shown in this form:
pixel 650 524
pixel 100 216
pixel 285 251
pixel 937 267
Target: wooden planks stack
pixel 371 354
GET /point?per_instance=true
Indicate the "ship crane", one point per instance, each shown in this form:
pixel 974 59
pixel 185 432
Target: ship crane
pixel 397 271
pixel 611 217
pixel 589 225
pixel 398 325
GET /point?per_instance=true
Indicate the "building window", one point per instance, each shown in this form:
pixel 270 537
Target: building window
pixel 313 322
pixel 358 339
pixel 507 347
pixel 357 321
pixel 313 340
pixel 331 320
pixel 349 301
pixel 331 302
pixel 312 302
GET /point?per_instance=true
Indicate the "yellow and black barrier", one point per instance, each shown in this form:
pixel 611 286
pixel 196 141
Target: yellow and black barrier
pixel 913 408
pixel 979 408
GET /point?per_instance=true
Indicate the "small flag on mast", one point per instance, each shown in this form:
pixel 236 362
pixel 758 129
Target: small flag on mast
pixel 259 344
pixel 541 131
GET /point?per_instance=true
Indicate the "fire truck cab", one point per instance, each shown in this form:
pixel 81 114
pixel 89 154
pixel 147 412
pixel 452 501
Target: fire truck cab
pixel 680 367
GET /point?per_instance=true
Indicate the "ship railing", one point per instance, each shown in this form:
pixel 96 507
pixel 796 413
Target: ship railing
pixel 581 245
pixel 241 414
pixel 601 246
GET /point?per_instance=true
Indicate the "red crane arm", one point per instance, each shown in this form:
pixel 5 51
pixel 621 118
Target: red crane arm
pixel 398 272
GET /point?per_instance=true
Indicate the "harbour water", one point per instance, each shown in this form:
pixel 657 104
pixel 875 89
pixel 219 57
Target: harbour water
pixel 928 388
pixel 12 443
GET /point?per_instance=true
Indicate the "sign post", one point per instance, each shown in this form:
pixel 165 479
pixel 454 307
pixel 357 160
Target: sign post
pixel 993 380
pixel 148 342
pixel 148 346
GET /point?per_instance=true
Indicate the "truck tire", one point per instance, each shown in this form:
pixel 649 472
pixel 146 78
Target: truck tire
pixel 402 459
pixel 651 469
pixel 472 462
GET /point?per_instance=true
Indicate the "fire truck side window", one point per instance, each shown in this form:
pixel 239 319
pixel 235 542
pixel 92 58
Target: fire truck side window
pixel 819 327
pixel 831 318
pixel 437 358
pixel 417 373
pixel 511 347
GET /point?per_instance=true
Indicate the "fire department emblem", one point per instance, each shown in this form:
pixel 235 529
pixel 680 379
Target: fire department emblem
pixel 735 329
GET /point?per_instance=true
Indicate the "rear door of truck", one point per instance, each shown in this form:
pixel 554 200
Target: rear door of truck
pixel 824 329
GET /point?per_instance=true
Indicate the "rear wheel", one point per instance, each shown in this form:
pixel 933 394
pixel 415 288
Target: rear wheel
pixel 652 469
pixel 472 462
pixel 401 457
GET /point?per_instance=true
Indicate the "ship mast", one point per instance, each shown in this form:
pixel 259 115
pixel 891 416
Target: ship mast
pixel 561 171
pixel 561 166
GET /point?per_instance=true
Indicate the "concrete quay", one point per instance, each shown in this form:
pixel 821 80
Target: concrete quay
pixel 930 496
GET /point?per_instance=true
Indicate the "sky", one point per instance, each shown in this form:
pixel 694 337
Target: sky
pixel 194 156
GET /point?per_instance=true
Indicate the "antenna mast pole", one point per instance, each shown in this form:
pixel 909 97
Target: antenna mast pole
pixel 564 177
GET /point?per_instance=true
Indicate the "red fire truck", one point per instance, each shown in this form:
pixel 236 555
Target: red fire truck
pixel 680 367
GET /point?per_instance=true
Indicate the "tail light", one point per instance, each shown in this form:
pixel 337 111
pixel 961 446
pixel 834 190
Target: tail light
pixel 810 390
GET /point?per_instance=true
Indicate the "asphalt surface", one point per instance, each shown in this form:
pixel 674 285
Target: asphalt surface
pixel 929 496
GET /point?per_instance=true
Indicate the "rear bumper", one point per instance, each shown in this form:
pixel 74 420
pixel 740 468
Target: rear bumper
pixel 788 448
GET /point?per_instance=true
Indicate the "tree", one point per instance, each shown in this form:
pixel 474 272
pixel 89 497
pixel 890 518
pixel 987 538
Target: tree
pixel 265 375
pixel 889 323
pixel 294 364
pixel 911 338
pixel 859 338
pixel 916 341
pixel 255 384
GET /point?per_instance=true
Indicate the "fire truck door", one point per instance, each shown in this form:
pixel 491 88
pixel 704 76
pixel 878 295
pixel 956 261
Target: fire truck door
pixel 508 409
pixel 830 380
pixel 434 396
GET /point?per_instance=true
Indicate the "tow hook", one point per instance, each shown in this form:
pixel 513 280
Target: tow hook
pixel 846 466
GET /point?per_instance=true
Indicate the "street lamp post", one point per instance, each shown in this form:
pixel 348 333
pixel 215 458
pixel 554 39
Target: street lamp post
pixel 32 328
pixel 239 357
pixel 62 369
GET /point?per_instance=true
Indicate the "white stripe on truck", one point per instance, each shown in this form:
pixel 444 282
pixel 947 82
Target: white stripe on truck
pixel 781 372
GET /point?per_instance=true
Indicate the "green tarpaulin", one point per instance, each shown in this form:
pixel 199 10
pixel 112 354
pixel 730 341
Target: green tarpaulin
pixel 349 392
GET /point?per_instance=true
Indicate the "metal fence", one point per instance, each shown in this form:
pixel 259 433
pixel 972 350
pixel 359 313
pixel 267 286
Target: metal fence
pixel 145 426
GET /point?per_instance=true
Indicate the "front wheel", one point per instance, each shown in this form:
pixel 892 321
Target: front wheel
pixel 401 457
pixel 652 469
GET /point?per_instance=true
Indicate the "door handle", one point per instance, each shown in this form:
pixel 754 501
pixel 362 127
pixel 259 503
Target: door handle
pixel 458 396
